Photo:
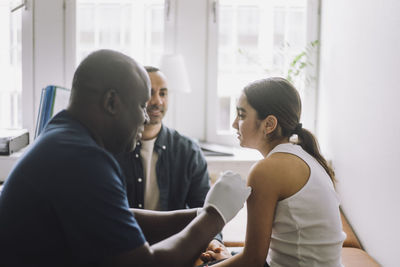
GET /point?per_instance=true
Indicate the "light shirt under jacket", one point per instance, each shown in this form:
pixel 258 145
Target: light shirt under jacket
pixel 149 161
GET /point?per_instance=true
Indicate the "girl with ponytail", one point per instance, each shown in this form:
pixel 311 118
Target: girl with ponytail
pixel 293 210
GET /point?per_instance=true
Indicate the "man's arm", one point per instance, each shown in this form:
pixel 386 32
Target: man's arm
pixel 181 249
pixel 172 222
pixel 200 184
pixel 222 203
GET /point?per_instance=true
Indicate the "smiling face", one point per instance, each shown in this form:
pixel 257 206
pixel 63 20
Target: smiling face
pixel 135 111
pixel 157 106
pixel 249 127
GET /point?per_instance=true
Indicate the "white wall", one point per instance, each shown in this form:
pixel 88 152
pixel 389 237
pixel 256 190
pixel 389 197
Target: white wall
pixel 48 47
pixel 359 122
pixel 191 43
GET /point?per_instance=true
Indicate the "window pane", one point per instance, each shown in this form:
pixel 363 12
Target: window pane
pixel 256 39
pixel 133 27
pixel 10 66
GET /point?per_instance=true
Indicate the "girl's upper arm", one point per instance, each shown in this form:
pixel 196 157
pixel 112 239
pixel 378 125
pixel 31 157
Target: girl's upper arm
pixel 261 204
pixel 266 187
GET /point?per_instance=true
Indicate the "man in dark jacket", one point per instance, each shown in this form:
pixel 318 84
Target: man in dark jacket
pixel 166 171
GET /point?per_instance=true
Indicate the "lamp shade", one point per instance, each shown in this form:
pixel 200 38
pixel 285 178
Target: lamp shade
pixel 174 69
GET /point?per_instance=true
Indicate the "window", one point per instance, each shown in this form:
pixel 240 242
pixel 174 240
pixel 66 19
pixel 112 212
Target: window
pixel 133 27
pixel 250 40
pixel 245 40
pixel 10 65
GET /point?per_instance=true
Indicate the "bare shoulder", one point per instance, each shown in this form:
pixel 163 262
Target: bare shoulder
pixel 263 176
pixel 269 168
pixel 282 174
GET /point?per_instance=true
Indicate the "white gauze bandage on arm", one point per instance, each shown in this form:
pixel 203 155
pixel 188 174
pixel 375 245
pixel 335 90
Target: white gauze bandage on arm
pixel 228 195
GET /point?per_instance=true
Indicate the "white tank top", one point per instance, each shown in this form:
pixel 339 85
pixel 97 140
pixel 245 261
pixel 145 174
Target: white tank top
pixel 307 229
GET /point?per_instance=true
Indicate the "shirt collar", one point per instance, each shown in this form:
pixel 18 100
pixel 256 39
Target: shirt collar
pixel 161 141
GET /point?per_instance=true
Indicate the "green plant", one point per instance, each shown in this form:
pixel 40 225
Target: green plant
pixel 296 72
pixel 300 62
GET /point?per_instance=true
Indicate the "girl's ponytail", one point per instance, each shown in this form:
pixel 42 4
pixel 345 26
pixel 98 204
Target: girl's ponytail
pixel 310 144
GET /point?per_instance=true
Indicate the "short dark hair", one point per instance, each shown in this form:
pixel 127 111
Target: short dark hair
pixel 151 69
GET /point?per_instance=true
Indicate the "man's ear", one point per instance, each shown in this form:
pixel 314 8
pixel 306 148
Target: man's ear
pixel 270 123
pixel 111 102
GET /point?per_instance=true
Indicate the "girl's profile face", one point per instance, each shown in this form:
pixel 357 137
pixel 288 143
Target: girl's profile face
pixel 248 126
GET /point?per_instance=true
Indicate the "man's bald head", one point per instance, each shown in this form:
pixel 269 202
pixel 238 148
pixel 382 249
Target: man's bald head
pixel 103 70
pixel 109 95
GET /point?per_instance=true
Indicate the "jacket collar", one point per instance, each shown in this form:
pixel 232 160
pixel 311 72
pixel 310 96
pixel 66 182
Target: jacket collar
pixel 161 141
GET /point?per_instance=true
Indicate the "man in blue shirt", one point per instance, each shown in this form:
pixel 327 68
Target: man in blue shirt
pixel 64 203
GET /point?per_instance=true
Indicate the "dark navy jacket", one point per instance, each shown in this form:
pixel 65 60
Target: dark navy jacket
pixel 181 172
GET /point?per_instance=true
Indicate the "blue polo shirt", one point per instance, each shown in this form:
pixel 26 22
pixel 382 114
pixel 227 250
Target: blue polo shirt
pixel 65 203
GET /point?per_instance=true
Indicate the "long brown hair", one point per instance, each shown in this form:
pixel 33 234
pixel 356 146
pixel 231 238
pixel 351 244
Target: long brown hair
pixel 276 96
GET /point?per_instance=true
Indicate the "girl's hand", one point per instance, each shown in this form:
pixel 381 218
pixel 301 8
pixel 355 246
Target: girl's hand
pixel 215 251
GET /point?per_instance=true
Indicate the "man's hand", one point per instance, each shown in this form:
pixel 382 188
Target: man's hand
pixel 215 251
pixel 228 195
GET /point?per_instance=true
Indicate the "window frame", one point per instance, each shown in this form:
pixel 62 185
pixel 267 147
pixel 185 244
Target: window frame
pixel 26 109
pixel 70 28
pixel 27 93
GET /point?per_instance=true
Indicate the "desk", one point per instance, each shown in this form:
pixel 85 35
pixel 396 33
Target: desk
pixel 235 230
pixel 241 162
pixel 7 163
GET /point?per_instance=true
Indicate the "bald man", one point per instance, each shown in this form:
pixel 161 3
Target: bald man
pixel 65 204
